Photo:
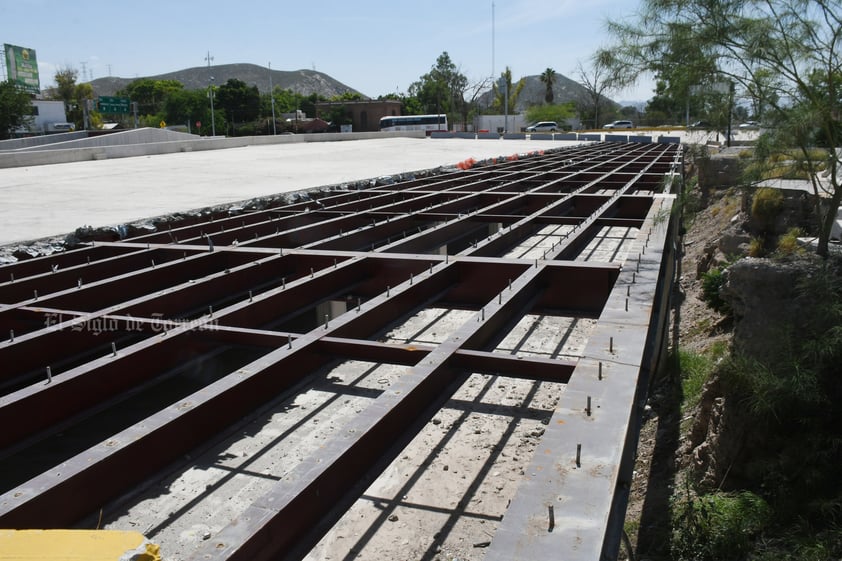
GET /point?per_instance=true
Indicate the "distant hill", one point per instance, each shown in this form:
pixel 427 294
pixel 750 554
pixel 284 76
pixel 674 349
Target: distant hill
pixel 564 90
pixel 302 81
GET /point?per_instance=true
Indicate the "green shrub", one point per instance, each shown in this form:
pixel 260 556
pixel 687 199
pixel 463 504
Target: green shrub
pixel 695 369
pixel 788 243
pixel 712 283
pixel 766 206
pixel 717 526
pixel 756 247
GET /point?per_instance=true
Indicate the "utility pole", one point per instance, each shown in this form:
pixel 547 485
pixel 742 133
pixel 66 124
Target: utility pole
pixel 209 58
pixel 272 97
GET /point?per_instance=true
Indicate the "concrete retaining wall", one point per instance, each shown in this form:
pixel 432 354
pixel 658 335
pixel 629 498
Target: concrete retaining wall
pixel 66 154
pixel 40 140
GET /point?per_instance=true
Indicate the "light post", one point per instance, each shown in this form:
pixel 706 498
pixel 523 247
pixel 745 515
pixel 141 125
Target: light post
pixel 209 58
pixel 272 97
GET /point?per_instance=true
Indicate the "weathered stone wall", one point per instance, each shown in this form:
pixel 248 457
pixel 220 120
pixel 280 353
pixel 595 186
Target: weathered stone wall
pixel 719 171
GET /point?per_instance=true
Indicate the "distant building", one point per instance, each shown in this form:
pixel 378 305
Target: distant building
pixel 365 115
pixel 47 117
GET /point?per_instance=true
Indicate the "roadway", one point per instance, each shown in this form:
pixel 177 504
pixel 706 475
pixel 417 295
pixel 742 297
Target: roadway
pixel 53 200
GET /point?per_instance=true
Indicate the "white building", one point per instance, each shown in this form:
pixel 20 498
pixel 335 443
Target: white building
pixel 49 116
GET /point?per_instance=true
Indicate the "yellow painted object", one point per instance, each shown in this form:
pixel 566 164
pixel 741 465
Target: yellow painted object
pixel 76 545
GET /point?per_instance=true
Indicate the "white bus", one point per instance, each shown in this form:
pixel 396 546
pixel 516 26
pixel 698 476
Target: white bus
pixel 414 123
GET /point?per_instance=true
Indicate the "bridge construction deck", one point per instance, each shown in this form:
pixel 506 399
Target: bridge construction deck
pixel 447 365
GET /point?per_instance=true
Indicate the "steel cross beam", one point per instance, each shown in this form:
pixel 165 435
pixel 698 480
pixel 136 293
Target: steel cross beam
pixel 286 292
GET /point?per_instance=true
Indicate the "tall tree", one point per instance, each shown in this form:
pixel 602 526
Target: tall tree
pixel 240 101
pixel 441 90
pixel 548 79
pixel 599 80
pixel 15 109
pixel 504 89
pixel 151 95
pixel 77 98
pixel 784 54
pixel 65 85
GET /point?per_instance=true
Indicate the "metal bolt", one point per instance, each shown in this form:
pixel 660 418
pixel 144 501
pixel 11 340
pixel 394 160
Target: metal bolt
pixel 578 455
pixel 289 341
pixel 210 311
pixel 359 301
pixel 113 348
pixel 79 283
pixel 11 336
pixel 250 296
pixel 611 344
pixel 387 290
pixel 36 294
pixel 153 263
pixel 588 408
pixel 551 514
pixel 627 304
pixel 49 375
pixel 311 272
pixel 327 317
pixel 410 278
pixel 600 371
pixel 283 283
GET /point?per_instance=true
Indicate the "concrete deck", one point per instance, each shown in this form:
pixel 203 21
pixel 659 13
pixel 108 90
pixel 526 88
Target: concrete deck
pixel 53 200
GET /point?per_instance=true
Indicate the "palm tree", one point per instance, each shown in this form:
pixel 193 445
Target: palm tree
pixel 548 78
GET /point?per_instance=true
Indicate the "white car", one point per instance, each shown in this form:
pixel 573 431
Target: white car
pixel 548 126
pixel 619 125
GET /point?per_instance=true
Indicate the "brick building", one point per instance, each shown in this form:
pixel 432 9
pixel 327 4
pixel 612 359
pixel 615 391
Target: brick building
pixel 365 115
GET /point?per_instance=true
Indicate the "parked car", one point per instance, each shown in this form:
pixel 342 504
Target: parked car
pixel 543 126
pixel 619 125
pixel 700 125
pixel 750 125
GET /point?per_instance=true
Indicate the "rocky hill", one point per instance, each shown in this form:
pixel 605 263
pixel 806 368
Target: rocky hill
pixel 564 89
pixel 301 81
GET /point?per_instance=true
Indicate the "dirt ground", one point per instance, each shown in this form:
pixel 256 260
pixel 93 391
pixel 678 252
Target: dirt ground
pixel 698 328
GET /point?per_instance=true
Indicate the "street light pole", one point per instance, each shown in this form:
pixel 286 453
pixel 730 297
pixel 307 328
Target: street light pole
pixel 272 97
pixel 209 58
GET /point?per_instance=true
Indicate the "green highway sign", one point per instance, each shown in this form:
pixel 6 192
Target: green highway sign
pixel 113 104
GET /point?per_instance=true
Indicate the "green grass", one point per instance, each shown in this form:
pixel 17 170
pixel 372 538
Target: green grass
pixel 695 371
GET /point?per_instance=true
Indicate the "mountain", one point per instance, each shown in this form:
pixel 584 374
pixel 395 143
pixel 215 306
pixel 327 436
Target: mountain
pixel 302 81
pixel 564 90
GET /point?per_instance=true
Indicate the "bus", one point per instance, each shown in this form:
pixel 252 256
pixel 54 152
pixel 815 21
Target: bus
pixel 426 123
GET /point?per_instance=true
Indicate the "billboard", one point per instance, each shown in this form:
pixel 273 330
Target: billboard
pixel 22 68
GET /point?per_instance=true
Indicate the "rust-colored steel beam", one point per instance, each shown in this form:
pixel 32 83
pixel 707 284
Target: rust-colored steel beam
pixel 263 302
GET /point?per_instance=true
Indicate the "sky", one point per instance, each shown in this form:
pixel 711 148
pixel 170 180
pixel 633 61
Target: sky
pixel 376 47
